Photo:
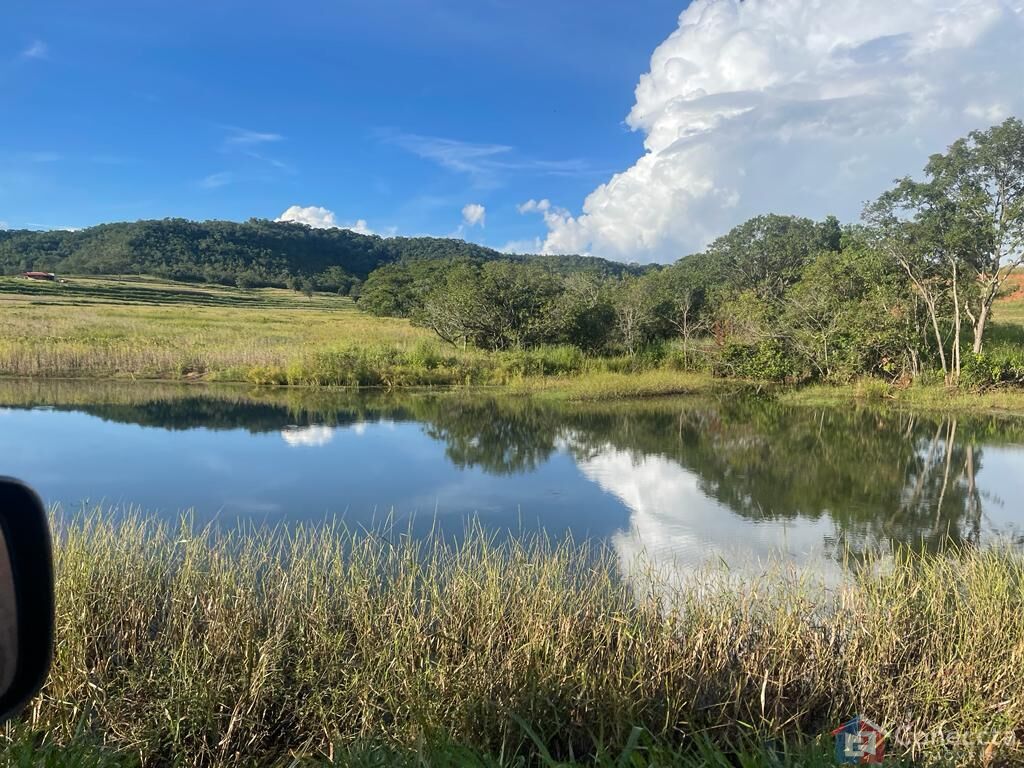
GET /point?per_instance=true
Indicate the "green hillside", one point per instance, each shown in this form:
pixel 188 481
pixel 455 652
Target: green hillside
pixel 250 254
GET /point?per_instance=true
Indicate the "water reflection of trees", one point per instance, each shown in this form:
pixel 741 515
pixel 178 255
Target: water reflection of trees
pixel 501 437
pixel 881 477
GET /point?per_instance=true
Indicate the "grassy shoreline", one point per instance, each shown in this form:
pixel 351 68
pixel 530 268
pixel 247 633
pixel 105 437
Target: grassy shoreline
pixel 924 398
pixel 180 646
pixel 873 393
pixel 609 386
pixel 144 329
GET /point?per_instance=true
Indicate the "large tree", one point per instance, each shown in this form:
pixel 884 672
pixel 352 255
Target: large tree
pixel 499 305
pixel 981 179
pixel 768 253
pixel 921 233
pixel 959 234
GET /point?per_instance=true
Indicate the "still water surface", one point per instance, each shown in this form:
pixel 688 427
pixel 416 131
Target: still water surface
pixel 733 479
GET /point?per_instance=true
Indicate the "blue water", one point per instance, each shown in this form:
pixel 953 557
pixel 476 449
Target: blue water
pixel 685 481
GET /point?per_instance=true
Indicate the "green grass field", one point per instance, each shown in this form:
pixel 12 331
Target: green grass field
pixel 140 328
pixel 1011 304
pixel 1010 312
pixel 179 646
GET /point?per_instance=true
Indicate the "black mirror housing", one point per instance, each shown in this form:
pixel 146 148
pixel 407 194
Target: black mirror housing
pixel 26 596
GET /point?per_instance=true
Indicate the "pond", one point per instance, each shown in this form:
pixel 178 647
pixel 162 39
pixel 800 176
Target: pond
pixel 735 479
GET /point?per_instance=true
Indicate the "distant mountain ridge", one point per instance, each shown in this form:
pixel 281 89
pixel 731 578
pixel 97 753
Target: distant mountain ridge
pixel 255 252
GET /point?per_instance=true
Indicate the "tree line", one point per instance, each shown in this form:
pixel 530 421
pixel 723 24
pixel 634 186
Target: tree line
pixel 253 254
pixel 908 291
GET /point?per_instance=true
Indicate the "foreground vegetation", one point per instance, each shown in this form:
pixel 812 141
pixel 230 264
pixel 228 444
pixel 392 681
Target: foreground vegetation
pixel 22 750
pixel 181 646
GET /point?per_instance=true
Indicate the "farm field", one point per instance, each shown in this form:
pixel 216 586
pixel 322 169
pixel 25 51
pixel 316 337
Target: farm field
pixel 145 328
pixel 1009 310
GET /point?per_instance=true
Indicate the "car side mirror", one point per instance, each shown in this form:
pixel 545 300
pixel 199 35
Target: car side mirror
pixel 26 596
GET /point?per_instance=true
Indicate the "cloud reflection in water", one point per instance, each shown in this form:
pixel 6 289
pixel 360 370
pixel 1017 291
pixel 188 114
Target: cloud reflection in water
pixel 677 530
pixel 315 436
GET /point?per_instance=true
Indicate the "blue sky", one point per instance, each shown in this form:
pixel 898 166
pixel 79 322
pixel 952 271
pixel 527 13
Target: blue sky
pixel 395 112
pixel 636 130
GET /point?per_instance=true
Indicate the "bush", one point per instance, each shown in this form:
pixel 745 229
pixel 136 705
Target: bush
pixel 344 367
pixel 247 281
pixel 543 361
pixel 766 360
pixel 871 390
pixel 647 358
pixel 998 366
pixel 426 355
pixel 266 375
pixel 696 358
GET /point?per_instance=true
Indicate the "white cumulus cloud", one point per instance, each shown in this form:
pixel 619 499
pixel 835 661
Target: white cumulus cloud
pixel 527 245
pixel 359 226
pixel 318 217
pixel 474 214
pixel 794 106
pixel 315 216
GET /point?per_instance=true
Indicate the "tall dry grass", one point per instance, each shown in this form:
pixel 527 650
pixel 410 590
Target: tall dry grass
pixel 181 646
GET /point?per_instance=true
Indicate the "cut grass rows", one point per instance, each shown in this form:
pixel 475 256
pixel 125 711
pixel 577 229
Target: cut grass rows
pixel 148 291
pixel 233 341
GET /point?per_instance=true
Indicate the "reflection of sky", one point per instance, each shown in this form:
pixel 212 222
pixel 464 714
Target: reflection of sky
pixel 314 436
pixel 367 472
pixel 649 508
pixel 675 527
pixel 1001 481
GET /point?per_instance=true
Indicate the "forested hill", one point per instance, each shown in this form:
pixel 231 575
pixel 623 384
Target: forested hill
pixel 254 253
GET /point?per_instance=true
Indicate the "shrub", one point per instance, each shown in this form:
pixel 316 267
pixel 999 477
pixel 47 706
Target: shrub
pixel 247 281
pixel 696 357
pixel 543 361
pixel 426 355
pixel 765 360
pixel 266 374
pixel 1000 365
pixel 872 390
